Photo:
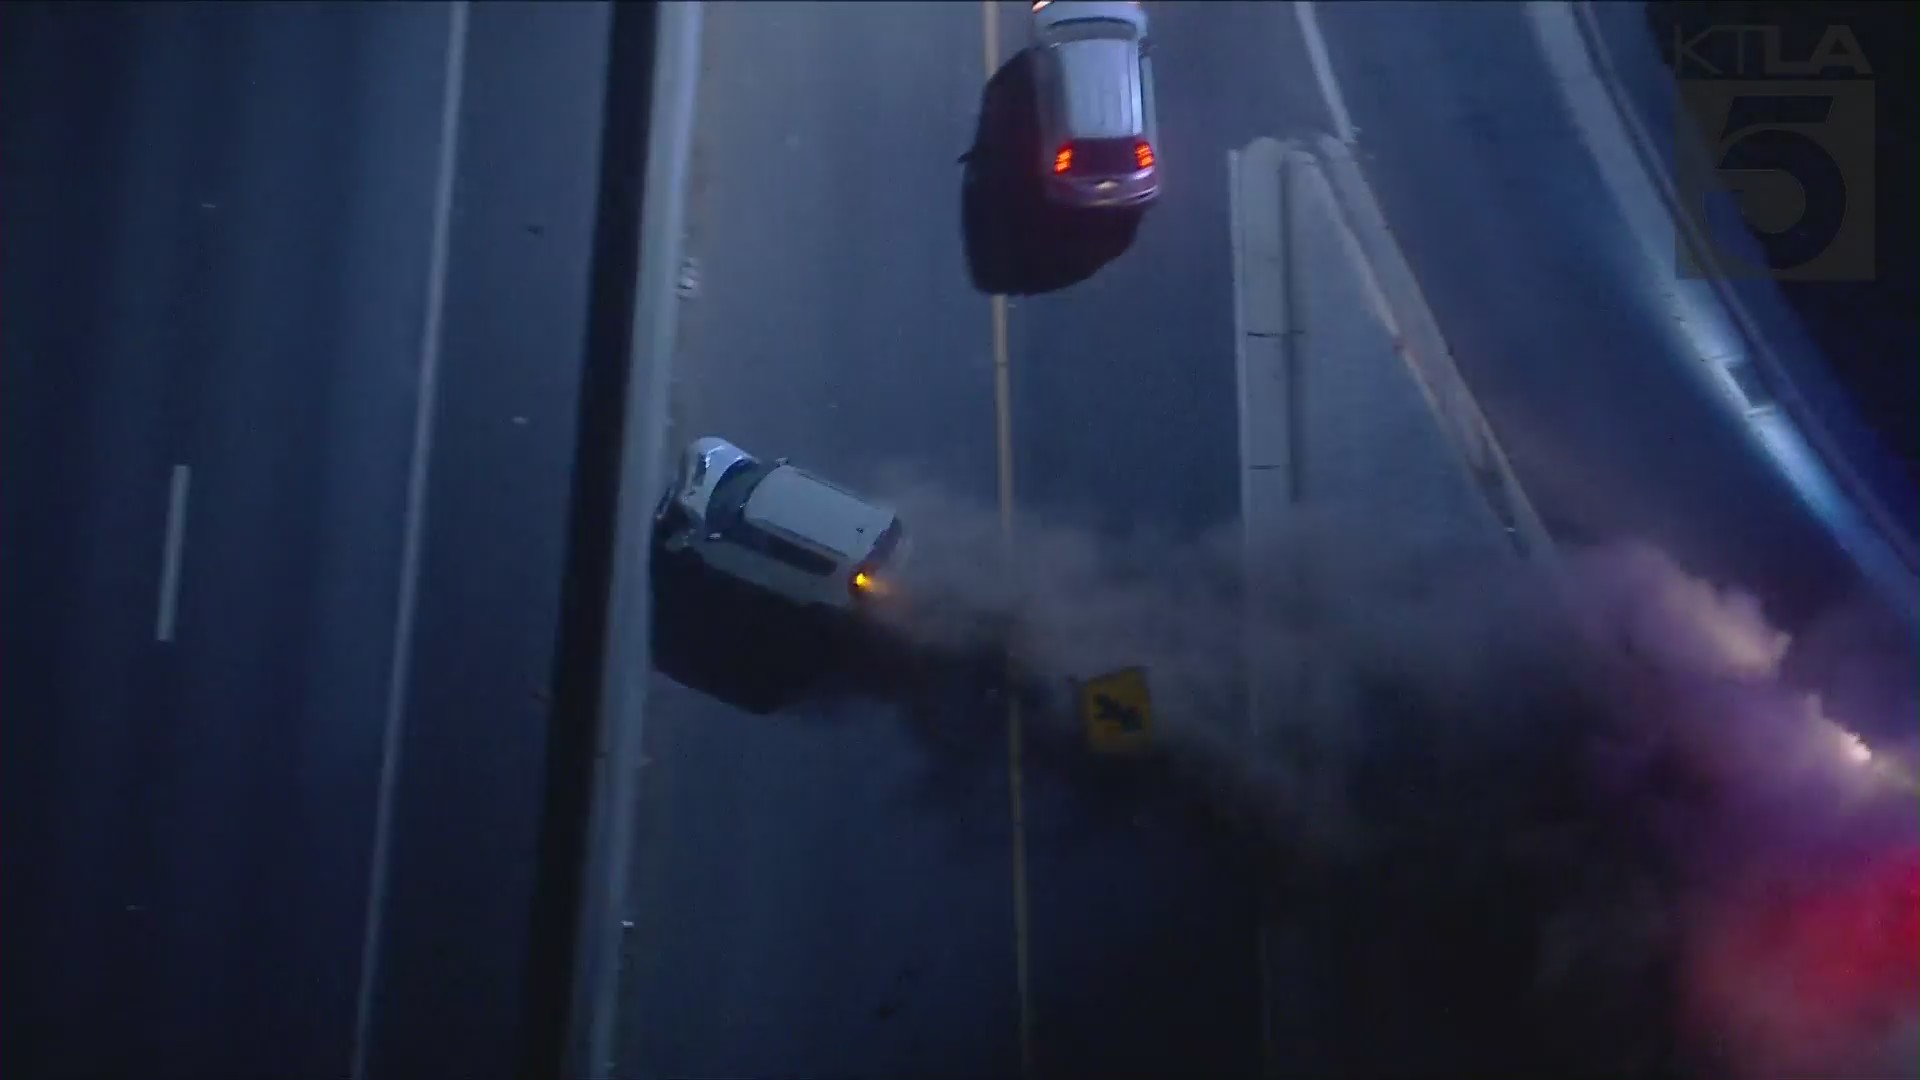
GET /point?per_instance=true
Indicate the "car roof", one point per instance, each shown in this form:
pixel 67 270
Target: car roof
pixel 1099 81
pixel 797 502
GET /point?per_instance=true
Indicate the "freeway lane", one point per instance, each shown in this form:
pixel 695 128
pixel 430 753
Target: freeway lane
pixel 218 255
pixel 831 323
pixel 804 903
pixel 1559 325
pixel 1125 423
pixel 202 807
pixel 818 892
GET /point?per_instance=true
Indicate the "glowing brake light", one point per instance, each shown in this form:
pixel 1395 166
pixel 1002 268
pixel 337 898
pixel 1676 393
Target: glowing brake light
pixel 1063 160
pixel 1143 154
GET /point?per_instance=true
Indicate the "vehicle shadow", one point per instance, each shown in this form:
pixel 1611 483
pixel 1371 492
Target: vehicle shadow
pixel 947 697
pixel 957 701
pixel 763 656
pixel 720 638
pixel 1016 242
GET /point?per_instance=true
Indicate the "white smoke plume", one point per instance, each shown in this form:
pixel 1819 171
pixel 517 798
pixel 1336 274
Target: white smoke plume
pixel 1608 763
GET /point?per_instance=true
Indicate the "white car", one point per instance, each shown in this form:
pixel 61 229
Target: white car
pixel 778 528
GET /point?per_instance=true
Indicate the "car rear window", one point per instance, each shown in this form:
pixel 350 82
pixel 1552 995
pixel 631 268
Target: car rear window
pixel 1103 157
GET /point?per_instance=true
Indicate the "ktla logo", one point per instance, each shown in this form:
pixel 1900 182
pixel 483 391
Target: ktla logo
pixel 1792 143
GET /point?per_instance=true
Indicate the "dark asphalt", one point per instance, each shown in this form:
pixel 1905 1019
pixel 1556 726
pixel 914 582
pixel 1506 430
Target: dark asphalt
pixel 1125 422
pixel 823 891
pixel 219 222
pixel 1566 343
pixel 217 257
pixel 215 252
pixel 828 891
pixel 808 901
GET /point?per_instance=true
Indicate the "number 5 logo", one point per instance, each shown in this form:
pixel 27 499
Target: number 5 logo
pixel 1796 157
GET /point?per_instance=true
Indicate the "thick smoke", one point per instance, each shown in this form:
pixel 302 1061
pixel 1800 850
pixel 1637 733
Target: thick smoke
pixel 1591 789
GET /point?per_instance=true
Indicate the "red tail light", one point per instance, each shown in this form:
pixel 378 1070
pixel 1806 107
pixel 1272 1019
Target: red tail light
pixel 1143 154
pixel 1063 160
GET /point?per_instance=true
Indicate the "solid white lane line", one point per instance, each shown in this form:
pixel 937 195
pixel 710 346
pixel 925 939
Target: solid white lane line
pixel 413 537
pixel 171 550
pixel 1323 69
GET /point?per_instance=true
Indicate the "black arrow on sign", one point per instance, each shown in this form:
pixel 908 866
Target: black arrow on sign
pixel 1126 716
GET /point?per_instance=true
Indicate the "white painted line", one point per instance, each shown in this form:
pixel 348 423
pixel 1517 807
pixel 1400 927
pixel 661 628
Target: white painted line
pixel 176 538
pixel 413 536
pixel 1323 70
pixel 1423 348
pixel 1717 324
pixel 1612 146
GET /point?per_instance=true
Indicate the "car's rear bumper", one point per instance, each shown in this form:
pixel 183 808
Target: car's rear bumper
pixel 1104 191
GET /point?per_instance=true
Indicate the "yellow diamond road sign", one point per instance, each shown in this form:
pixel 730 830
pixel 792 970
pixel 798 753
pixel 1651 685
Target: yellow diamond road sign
pixel 1117 711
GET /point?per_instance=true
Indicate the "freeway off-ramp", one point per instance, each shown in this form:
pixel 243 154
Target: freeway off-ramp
pixel 826 892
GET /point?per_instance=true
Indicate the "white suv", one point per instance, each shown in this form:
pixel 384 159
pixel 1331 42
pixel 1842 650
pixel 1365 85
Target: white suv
pixel 778 528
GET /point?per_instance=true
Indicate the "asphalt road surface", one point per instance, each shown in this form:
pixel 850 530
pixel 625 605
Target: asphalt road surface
pixel 1556 325
pixel 218 270
pixel 217 264
pixel 828 890
pixel 208 798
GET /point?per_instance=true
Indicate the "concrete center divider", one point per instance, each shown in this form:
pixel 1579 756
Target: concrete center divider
pixel 616 759
pixel 1348 397
pixel 1349 404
